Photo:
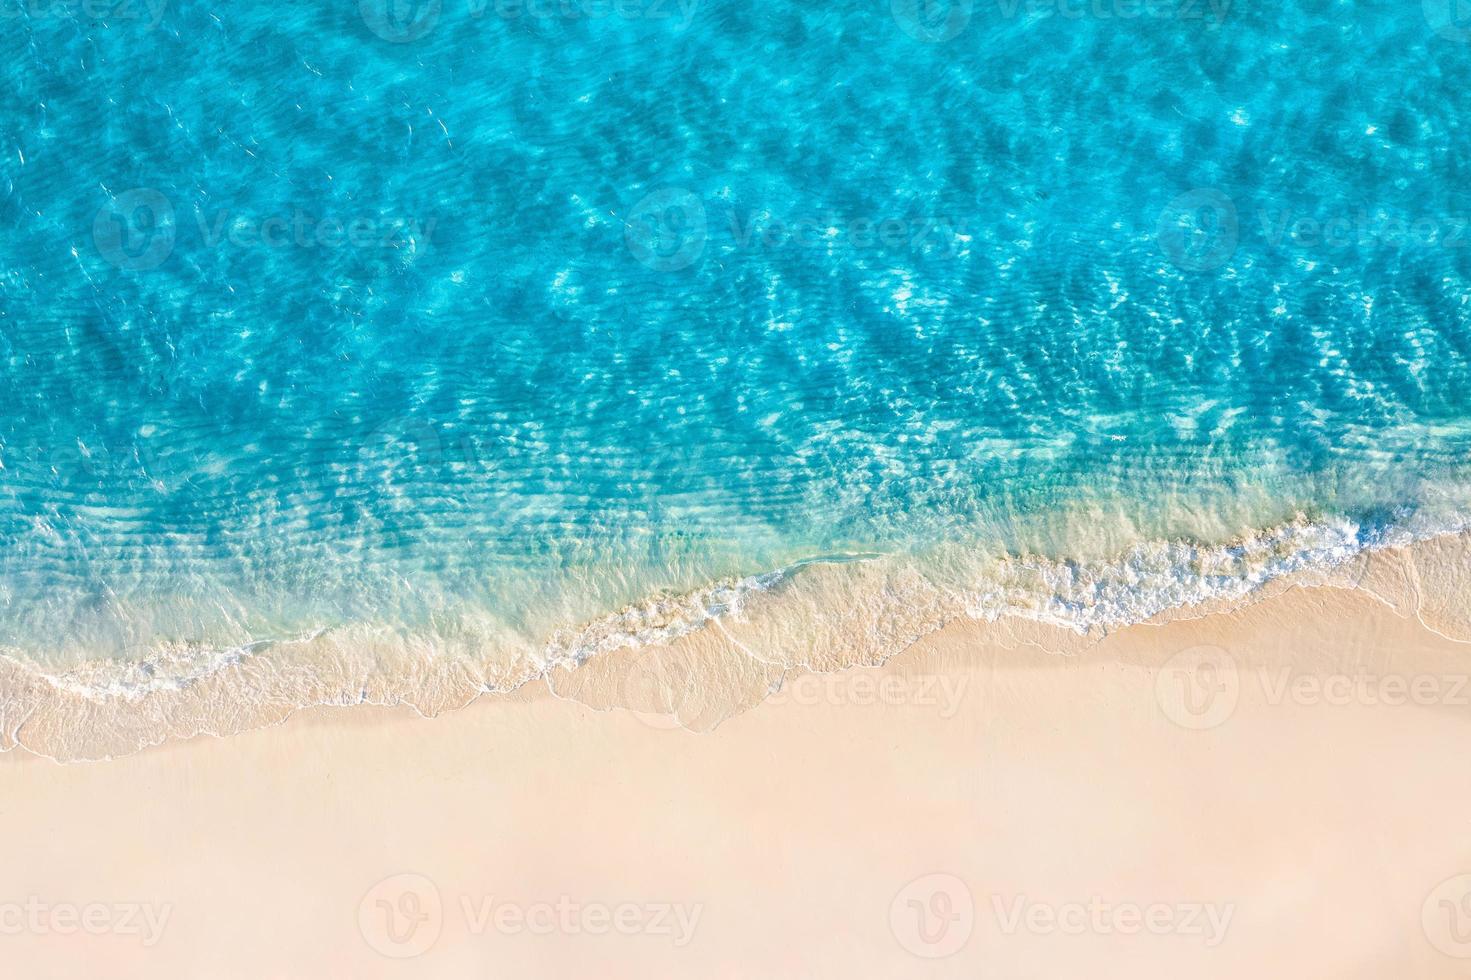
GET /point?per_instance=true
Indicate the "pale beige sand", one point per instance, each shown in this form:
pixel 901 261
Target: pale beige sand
pixel 1316 828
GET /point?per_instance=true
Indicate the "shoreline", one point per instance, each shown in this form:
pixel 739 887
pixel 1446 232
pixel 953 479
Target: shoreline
pixel 1060 802
pixel 730 657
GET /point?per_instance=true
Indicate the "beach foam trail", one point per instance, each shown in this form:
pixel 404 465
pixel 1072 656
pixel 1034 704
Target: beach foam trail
pixel 408 352
pixel 699 658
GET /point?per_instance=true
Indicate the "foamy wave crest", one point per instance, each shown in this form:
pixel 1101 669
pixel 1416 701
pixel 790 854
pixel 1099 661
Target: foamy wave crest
pixel 1157 577
pixel 821 613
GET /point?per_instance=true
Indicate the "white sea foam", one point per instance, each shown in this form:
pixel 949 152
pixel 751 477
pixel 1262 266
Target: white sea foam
pixel 1088 598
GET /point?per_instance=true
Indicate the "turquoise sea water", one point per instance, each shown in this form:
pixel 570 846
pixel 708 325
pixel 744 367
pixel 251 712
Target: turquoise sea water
pixel 477 322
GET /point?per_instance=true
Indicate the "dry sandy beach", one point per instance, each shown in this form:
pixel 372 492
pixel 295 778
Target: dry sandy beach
pixel 1275 791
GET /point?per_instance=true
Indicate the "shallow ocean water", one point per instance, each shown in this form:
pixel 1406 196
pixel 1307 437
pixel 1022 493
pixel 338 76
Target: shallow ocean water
pixel 481 322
